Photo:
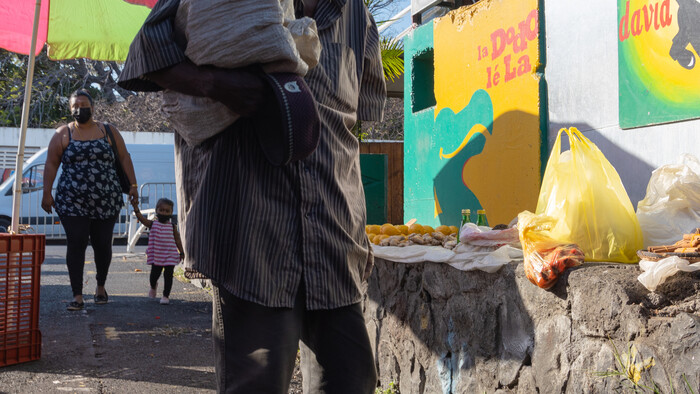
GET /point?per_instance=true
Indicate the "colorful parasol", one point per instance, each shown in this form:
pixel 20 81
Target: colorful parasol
pixel 95 29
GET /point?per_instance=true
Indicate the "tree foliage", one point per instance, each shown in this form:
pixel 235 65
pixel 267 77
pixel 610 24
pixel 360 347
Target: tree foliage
pixel 391 128
pixel 377 6
pixel 53 82
pixel 392 58
pixel 392 50
pixel 139 112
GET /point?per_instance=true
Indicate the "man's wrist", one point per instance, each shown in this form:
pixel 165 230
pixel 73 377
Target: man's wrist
pixel 207 81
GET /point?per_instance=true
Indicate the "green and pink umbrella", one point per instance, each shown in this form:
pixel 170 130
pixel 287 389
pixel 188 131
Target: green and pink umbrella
pixel 94 29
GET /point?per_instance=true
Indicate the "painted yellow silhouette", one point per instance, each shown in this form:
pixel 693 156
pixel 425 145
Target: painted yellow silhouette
pixel 505 176
pixel 438 210
pixel 475 130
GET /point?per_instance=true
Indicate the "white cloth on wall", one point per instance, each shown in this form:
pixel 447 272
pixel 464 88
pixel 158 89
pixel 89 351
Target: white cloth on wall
pixel 463 257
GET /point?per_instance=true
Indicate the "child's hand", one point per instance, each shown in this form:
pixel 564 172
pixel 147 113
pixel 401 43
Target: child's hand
pixel 135 204
pixel 182 256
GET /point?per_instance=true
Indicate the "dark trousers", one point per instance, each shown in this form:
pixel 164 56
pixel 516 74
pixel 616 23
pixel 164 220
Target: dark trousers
pixel 167 277
pixel 256 346
pixel 80 230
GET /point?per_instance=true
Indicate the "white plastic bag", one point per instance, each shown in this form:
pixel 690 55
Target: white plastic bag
pixel 671 206
pixel 655 273
pixel 485 236
pixel 262 32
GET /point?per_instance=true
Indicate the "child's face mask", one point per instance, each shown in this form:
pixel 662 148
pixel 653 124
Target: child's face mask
pixel 164 213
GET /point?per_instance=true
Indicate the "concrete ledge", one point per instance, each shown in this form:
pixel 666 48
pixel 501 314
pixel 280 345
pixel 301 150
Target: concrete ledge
pixel 436 329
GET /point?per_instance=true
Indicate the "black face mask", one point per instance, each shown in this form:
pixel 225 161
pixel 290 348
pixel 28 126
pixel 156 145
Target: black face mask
pixel 82 115
pixel 163 218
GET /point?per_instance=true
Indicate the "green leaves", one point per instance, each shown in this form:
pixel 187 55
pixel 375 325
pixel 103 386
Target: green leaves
pixel 392 50
pixel 392 58
pixel 53 83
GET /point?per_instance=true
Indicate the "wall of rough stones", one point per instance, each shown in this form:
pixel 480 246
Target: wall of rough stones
pixel 436 329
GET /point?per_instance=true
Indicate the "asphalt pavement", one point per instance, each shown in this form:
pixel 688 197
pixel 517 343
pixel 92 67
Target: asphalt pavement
pixel 130 345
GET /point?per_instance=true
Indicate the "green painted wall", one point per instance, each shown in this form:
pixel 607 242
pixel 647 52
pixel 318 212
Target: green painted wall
pixel 419 105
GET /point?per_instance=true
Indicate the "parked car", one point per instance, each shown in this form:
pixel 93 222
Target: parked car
pixel 155 172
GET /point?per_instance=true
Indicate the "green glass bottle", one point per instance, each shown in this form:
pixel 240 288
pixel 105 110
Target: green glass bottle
pixel 481 218
pixel 466 218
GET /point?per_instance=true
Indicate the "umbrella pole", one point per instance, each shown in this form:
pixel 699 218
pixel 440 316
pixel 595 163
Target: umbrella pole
pixel 17 191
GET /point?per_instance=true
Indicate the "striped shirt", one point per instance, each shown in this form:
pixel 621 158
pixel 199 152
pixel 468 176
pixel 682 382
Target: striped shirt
pixel 260 230
pixel 162 249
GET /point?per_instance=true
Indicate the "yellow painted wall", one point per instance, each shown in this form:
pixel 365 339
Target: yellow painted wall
pixel 493 47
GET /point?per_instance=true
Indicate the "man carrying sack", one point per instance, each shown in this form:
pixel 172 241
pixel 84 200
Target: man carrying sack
pixel 277 225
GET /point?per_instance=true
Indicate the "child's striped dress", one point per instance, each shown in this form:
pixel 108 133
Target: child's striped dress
pixel 162 249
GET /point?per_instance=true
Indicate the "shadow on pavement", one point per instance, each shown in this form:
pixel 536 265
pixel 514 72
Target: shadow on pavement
pixel 133 344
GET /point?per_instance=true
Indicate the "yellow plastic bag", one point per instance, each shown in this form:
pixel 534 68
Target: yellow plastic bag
pixel 584 193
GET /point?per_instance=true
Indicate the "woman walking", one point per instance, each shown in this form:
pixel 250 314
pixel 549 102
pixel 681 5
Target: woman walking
pixel 88 194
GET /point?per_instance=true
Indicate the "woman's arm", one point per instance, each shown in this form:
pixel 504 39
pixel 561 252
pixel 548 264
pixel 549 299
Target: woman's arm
pixel 140 217
pixel 126 163
pixel 58 143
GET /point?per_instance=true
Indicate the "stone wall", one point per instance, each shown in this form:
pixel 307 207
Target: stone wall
pixel 440 330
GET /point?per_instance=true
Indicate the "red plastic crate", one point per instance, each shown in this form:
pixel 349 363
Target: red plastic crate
pixel 21 256
pixel 19 347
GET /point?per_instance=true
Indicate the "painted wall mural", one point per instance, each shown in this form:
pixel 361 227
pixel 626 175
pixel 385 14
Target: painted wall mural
pixel 658 48
pixel 473 129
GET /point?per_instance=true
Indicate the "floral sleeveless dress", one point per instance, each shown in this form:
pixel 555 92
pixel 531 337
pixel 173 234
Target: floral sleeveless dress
pixel 88 185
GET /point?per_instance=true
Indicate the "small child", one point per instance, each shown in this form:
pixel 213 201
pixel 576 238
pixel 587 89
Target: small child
pixel 164 246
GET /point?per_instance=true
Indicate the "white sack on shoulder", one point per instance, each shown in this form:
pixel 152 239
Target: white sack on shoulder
pixel 184 111
pixel 230 34
pixel 305 36
pixel 656 272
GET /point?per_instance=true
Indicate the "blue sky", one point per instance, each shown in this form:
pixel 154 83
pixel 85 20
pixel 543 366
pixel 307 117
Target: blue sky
pixel 392 10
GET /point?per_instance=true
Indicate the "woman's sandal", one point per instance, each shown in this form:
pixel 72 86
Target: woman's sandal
pixel 101 299
pixel 75 306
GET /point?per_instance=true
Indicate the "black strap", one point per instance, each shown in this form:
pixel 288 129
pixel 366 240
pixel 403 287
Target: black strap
pixel 104 134
pixel 298 9
pixel 112 142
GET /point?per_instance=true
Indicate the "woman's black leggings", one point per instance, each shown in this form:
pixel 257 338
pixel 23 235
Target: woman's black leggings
pixel 80 230
pixel 167 277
